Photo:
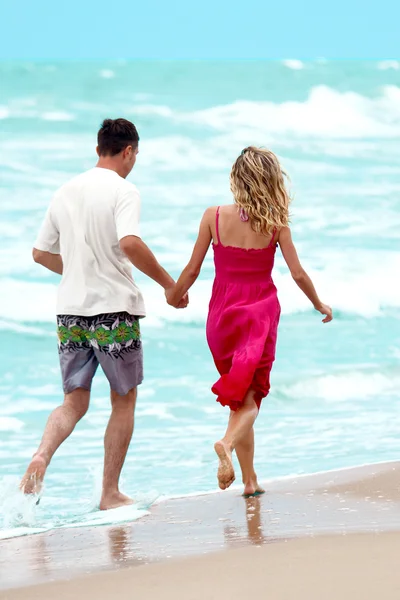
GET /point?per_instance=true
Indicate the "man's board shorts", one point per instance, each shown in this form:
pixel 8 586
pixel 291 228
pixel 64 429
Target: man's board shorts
pixel 111 340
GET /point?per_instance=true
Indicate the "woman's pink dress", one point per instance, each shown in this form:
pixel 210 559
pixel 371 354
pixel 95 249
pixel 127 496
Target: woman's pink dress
pixel 242 321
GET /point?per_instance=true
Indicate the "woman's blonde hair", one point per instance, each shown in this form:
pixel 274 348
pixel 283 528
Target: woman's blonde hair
pixel 258 187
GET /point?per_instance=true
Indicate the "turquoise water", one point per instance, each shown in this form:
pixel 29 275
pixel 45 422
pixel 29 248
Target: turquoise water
pixel 334 400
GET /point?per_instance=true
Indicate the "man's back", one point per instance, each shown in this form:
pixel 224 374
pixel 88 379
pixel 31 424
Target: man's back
pixel 87 218
pixel 91 236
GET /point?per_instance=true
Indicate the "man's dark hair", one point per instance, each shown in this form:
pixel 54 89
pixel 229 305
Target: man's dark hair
pixel 115 135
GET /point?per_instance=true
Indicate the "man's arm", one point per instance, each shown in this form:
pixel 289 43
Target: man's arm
pixel 53 262
pixel 143 259
pixel 126 214
pixel 46 251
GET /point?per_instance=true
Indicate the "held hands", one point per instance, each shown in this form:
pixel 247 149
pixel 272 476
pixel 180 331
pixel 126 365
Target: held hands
pixel 169 295
pixel 324 309
pixel 183 302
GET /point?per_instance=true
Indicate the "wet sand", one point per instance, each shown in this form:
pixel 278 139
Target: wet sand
pixel 340 524
pixel 348 567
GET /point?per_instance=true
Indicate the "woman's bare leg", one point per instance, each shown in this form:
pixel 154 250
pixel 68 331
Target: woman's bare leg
pixel 240 424
pixel 245 453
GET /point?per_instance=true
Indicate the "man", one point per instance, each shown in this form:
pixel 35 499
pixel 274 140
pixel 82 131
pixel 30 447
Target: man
pixel 90 236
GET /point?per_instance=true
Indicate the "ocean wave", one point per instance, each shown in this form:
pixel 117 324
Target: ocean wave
pixel 325 113
pixel 385 65
pixel 18 111
pixel 10 424
pixel 361 384
pixel 296 65
pixel 107 74
pixel 57 116
pixel 181 153
pixel 153 109
pixel 362 287
pixel 19 515
pixel 4 112
pixel 17 327
pixel 29 403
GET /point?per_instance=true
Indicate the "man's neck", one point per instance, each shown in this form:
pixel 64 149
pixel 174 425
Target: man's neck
pixel 108 162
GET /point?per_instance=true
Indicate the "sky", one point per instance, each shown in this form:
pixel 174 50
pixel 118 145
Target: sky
pixel 205 29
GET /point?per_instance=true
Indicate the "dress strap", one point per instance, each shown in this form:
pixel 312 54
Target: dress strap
pixel 272 242
pixel 217 225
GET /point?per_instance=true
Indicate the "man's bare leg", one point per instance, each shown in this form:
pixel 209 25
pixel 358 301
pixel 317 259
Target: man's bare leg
pixel 245 453
pixel 116 443
pixel 60 425
pixel 239 426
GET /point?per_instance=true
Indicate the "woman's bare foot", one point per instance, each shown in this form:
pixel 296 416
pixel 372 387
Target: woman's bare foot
pixel 32 481
pixel 226 473
pixel 252 488
pixel 114 500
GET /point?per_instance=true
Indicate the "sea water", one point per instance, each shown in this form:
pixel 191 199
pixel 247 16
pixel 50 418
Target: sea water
pixel 334 400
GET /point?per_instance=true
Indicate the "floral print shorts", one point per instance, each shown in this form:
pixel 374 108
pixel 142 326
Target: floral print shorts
pixel 111 340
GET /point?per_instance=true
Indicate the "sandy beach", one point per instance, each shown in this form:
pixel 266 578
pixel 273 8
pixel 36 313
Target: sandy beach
pixel 320 536
pixel 322 568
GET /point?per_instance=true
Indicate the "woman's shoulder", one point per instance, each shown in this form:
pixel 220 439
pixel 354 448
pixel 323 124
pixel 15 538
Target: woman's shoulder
pixel 225 208
pixel 211 212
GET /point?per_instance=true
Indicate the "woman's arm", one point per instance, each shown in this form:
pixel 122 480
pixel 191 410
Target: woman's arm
pixel 191 272
pixel 299 275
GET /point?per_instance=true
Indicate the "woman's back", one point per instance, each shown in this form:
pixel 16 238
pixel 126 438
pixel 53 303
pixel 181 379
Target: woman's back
pixel 244 309
pixel 241 255
pixel 236 231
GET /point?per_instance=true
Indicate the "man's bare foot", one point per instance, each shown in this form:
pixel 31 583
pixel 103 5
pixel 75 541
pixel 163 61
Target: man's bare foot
pixel 252 488
pixel 226 473
pixel 32 481
pixel 114 500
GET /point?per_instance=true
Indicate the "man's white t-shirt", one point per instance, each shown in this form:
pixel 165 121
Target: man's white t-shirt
pixel 87 218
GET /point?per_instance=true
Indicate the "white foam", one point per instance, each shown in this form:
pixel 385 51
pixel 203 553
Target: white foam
pixel 159 312
pixel 96 518
pixel 48 389
pixel 16 509
pixel 156 410
pixel 363 286
pixel 153 109
pixel 27 109
pixel 6 533
pixel 325 113
pixel 180 154
pixel 42 300
pixel 110 517
pixel 31 404
pixel 362 289
pixel 294 64
pixel 4 112
pixel 57 116
pixel 19 328
pixel 386 65
pixel 107 74
pixel 10 424
pixel 345 386
pixel 20 516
